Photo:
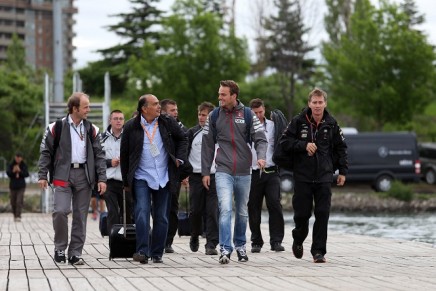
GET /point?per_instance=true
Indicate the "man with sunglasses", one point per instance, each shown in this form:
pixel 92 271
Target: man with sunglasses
pixel 265 183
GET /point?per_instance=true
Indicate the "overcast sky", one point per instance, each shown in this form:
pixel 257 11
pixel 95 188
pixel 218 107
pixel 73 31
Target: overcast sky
pixel 94 16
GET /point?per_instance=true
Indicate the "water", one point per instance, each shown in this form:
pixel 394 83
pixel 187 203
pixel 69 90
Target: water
pixel 412 227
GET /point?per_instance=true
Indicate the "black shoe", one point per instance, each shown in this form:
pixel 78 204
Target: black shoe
pixel 242 254
pixel 211 251
pixel 297 250
pixel 140 257
pixel 194 243
pixel 76 261
pixel 157 260
pixel 256 248
pixel 319 258
pixel 169 249
pixel 60 256
pixel 277 247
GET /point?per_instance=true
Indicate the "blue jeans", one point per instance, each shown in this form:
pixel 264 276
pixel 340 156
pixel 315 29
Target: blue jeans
pixel 146 199
pixel 226 185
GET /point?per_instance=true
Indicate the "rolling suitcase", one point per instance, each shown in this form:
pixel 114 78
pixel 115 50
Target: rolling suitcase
pixel 184 224
pixel 103 224
pixel 122 238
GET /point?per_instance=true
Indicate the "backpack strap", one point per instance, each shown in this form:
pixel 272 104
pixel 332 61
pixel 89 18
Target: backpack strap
pixel 57 135
pixel 213 119
pixel 248 116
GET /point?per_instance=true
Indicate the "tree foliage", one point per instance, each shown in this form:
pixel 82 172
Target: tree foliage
pixel 288 49
pixel 195 54
pixel 140 25
pixel 21 103
pixel 381 70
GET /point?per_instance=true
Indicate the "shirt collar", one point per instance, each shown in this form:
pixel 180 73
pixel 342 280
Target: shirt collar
pixel 143 121
pixel 70 121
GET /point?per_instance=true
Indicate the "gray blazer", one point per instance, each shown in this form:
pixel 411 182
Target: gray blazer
pixel 95 160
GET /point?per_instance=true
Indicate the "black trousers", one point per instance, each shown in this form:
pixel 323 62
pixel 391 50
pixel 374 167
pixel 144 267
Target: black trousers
pixel 204 202
pixel 114 203
pixel 305 196
pixel 173 221
pixel 265 186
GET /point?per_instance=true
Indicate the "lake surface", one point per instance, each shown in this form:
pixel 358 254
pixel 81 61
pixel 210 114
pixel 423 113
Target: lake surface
pixel 412 227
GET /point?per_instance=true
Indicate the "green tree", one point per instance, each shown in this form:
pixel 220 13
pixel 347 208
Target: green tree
pixel 288 49
pixel 136 27
pixel 21 103
pixel 337 21
pixel 381 71
pixel 195 54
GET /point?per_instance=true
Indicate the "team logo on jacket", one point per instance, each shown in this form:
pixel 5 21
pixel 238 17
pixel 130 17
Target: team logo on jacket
pixel 238 120
pixel 304 133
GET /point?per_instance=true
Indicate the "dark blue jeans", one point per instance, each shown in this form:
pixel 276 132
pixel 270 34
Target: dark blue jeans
pixel 146 199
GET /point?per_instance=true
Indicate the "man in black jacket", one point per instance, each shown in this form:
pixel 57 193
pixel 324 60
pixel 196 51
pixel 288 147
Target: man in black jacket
pixel 204 202
pixel 169 107
pixel 152 148
pixel 314 138
pixel 17 171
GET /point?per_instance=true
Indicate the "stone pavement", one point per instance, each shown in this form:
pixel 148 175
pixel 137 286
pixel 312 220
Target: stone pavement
pixel 353 263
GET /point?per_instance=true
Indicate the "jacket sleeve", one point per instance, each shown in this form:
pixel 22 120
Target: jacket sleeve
pixel 9 170
pixel 290 140
pixel 46 153
pixel 99 157
pixel 181 142
pixel 24 170
pixel 340 155
pixel 259 138
pixel 124 153
pixel 207 148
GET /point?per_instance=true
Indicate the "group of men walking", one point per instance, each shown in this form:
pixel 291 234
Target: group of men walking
pixel 226 158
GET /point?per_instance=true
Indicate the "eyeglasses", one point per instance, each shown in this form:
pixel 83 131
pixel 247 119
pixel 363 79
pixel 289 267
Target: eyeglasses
pixel 118 118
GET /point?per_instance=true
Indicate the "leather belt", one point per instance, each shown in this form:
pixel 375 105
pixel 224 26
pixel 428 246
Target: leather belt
pixel 77 165
pixel 271 169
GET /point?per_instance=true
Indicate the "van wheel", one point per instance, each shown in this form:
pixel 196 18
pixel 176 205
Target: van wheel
pixel 286 183
pixel 383 183
pixel 430 176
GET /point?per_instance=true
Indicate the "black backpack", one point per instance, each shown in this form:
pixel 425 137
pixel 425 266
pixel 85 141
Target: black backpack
pixel 281 158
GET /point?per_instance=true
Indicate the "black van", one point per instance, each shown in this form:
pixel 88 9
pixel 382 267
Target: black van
pixel 377 158
pixel 427 156
pixel 381 157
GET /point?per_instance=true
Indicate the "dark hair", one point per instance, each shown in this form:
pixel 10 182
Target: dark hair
pixel 234 88
pixel 115 111
pixel 317 92
pixel 164 103
pixel 142 102
pixel 74 101
pixel 19 154
pixel 206 106
pixel 256 103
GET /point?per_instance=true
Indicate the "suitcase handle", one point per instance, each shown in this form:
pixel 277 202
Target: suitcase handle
pixel 124 214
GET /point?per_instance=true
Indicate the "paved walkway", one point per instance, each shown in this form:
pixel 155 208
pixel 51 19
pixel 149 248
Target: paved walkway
pixel 353 263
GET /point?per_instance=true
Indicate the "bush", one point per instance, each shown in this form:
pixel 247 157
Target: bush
pixel 400 191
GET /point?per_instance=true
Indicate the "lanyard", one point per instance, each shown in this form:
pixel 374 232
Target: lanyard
pixel 148 134
pixel 80 129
